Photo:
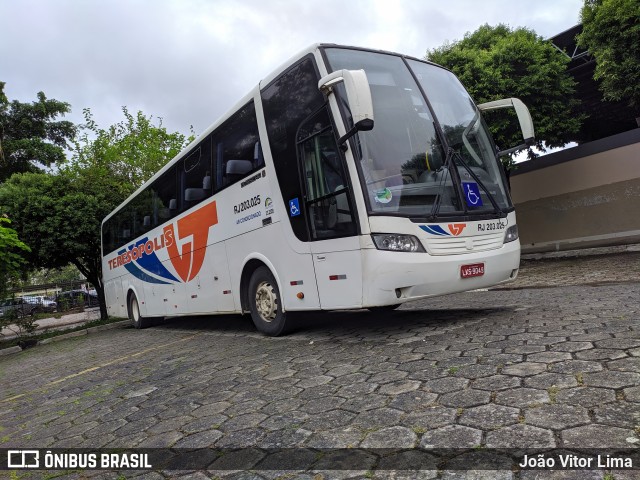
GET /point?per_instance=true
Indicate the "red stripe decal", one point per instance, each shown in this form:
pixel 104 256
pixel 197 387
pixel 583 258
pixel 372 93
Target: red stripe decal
pixel 337 277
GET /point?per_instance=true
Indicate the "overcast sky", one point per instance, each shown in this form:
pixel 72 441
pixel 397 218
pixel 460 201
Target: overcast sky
pixel 188 61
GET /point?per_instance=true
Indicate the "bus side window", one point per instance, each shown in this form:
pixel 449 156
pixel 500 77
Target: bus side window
pixel 237 147
pixel 287 101
pixel 236 169
pixel 165 192
pixel 195 169
pixel 258 157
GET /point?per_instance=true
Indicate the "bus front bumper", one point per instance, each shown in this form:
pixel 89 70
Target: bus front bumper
pixel 396 277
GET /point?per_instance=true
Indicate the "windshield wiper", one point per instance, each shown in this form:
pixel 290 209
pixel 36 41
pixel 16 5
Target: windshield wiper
pixel 433 216
pixel 451 154
pixel 472 125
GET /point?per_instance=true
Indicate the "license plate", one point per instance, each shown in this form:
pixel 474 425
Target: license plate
pixel 473 270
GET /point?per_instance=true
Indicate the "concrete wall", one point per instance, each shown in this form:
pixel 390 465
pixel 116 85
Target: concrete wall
pixel 585 196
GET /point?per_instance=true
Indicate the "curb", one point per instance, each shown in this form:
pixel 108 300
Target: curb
pixel 64 336
pixel 10 350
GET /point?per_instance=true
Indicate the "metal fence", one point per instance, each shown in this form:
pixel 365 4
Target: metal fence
pixel 50 289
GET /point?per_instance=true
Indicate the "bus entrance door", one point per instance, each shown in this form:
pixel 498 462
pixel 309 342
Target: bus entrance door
pixel 338 272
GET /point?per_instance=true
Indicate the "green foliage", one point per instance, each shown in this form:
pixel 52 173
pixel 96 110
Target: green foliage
pixel 130 151
pixel 611 33
pixel 23 326
pixel 63 304
pixel 53 275
pixel 498 62
pixel 10 260
pixel 30 134
pixel 60 219
pixel 60 215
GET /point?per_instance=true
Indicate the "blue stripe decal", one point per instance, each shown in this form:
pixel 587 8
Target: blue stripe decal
pixel 133 269
pixel 434 230
pixel 151 263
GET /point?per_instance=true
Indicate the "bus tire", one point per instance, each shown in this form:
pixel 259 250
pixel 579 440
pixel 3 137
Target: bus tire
pixel 133 309
pixel 265 303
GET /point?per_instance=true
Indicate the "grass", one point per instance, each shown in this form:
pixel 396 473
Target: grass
pixel 54 333
pixel 553 393
pixel 43 315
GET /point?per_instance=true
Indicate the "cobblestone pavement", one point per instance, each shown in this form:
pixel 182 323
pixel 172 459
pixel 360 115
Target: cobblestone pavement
pixel 518 368
pixel 576 270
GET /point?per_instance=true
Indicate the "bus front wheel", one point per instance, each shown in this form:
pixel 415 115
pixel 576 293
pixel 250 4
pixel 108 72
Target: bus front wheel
pixel 265 303
pixel 134 313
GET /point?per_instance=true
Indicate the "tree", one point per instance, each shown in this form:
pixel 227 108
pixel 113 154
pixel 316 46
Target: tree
pixel 68 274
pixel 60 220
pixel 10 260
pixel 611 33
pixel 131 150
pixel 498 62
pixel 30 135
pixel 60 215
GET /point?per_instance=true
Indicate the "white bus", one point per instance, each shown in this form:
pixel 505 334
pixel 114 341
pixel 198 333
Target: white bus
pixel 347 179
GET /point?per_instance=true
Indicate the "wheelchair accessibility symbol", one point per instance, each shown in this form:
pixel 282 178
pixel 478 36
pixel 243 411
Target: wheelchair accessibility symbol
pixel 472 194
pixel 294 207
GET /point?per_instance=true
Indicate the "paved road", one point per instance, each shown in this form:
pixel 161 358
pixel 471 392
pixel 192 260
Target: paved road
pixel 520 368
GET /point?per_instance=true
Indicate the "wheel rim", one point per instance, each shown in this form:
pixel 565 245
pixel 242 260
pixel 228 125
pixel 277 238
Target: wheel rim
pixel 266 301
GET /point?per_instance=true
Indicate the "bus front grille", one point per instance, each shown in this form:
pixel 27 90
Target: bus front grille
pixel 460 245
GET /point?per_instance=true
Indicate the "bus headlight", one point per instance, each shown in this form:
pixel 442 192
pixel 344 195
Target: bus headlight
pixel 397 242
pixel 511 234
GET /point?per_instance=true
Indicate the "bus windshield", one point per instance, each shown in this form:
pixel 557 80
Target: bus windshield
pixel 405 163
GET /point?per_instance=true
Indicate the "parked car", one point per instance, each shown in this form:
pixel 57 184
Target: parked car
pixel 45 304
pixel 20 305
pixel 75 298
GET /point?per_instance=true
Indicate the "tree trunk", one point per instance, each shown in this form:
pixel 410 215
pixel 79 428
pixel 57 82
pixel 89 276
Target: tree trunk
pixel 103 301
pixel 95 279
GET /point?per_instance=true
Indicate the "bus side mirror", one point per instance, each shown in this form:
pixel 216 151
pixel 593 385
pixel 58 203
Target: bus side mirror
pixel 358 98
pixel 524 117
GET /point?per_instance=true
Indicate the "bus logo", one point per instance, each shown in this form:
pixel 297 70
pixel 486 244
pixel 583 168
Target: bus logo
pixel 196 225
pixel 455 229
pixel 140 259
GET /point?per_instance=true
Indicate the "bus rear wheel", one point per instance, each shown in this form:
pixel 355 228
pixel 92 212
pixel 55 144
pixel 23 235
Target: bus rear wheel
pixel 265 303
pixel 134 313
